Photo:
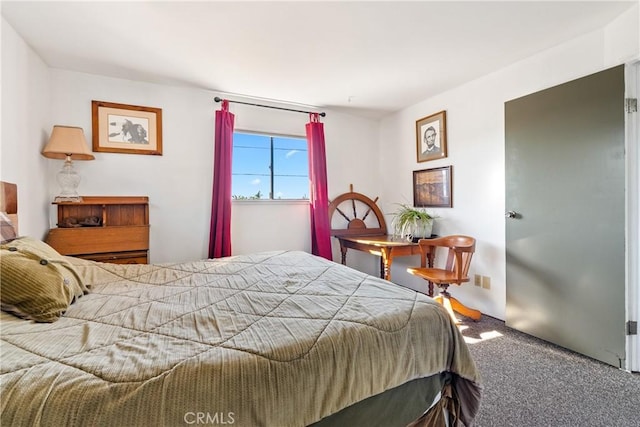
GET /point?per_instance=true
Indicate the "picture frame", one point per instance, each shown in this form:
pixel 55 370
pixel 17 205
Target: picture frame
pixel 433 187
pixel 431 137
pixel 128 129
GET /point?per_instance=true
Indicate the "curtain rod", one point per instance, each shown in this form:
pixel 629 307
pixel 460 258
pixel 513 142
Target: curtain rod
pixel 322 114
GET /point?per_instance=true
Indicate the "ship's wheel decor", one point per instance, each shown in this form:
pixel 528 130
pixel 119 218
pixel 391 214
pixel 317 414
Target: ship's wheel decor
pixel 354 214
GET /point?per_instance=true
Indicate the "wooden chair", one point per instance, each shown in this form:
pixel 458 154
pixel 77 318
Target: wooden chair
pixel 456 271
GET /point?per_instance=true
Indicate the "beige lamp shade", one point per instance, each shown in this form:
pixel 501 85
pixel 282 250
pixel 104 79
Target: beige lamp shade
pixel 67 141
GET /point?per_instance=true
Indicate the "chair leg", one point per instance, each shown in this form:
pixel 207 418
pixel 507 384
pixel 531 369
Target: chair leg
pixel 443 299
pixel 458 307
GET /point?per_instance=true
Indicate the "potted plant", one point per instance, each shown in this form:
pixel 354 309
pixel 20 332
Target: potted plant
pixel 412 223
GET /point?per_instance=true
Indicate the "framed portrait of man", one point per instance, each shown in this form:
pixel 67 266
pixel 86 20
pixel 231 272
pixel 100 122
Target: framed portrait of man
pixel 431 137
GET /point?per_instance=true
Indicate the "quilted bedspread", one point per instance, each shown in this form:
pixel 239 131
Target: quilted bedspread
pixel 268 339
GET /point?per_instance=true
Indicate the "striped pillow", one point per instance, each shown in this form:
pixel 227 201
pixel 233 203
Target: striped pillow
pixel 37 282
pixel 7 230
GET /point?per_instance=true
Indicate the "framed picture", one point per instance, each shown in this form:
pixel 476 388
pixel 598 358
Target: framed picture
pixel 431 137
pixel 121 128
pixel 432 187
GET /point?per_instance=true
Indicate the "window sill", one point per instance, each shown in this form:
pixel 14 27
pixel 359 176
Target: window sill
pixel 270 202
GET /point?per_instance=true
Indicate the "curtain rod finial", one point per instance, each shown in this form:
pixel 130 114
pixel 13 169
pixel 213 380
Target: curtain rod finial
pixel 217 99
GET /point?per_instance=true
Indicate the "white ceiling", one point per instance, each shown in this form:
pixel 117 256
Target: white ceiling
pixel 370 57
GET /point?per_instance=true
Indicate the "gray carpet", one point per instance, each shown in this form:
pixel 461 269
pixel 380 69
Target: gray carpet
pixel 529 382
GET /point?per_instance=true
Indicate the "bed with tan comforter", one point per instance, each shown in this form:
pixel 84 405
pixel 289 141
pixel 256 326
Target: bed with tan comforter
pixel 269 339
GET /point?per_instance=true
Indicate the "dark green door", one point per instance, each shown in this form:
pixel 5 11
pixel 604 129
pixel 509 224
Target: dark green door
pixel 565 189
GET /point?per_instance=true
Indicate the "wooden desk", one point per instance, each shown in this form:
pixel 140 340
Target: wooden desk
pixel 386 247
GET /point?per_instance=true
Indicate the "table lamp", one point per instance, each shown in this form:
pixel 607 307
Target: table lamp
pixel 68 143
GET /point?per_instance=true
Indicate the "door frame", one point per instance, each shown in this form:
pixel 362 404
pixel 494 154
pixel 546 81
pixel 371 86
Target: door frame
pixel 632 136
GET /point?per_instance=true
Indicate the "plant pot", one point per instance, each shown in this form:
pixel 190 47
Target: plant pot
pixel 420 229
pixel 409 222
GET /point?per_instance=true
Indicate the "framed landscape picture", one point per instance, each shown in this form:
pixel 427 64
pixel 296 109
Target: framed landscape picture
pixel 432 187
pixel 431 137
pixel 122 128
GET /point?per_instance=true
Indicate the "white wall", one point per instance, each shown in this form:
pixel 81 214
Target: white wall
pixel 178 183
pixel 475 125
pixel 26 109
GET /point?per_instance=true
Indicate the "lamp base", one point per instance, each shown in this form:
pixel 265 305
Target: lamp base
pixel 72 199
pixel 69 180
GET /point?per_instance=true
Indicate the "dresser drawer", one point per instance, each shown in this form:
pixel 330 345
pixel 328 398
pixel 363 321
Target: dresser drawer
pixel 132 257
pixel 95 240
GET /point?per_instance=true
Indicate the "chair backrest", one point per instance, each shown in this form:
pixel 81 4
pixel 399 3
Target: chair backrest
pixel 461 249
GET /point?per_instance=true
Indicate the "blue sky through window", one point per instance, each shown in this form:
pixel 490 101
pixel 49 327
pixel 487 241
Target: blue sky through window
pixel 251 169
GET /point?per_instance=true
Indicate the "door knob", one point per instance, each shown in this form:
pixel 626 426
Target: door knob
pixel 511 214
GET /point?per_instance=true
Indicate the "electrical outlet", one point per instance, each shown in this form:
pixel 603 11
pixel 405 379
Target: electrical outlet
pixel 477 280
pixel 486 282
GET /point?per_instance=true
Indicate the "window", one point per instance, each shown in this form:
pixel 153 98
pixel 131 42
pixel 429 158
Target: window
pixel 269 167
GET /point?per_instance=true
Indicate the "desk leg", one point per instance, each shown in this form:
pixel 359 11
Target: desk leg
pixel 385 264
pixel 343 252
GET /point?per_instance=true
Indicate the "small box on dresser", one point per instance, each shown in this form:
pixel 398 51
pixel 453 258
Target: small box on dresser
pixel 103 228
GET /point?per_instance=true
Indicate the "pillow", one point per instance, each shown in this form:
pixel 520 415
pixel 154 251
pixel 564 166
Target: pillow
pixel 37 282
pixel 7 231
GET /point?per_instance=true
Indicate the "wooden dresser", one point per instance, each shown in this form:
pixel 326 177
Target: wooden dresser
pixel 106 229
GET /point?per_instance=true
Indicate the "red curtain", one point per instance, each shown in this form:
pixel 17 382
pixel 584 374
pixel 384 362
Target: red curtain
pixel 320 226
pixel 220 231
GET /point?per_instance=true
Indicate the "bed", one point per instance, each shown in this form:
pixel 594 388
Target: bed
pixel 280 338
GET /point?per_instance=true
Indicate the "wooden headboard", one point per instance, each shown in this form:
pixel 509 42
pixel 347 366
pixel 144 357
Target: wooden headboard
pixel 9 201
